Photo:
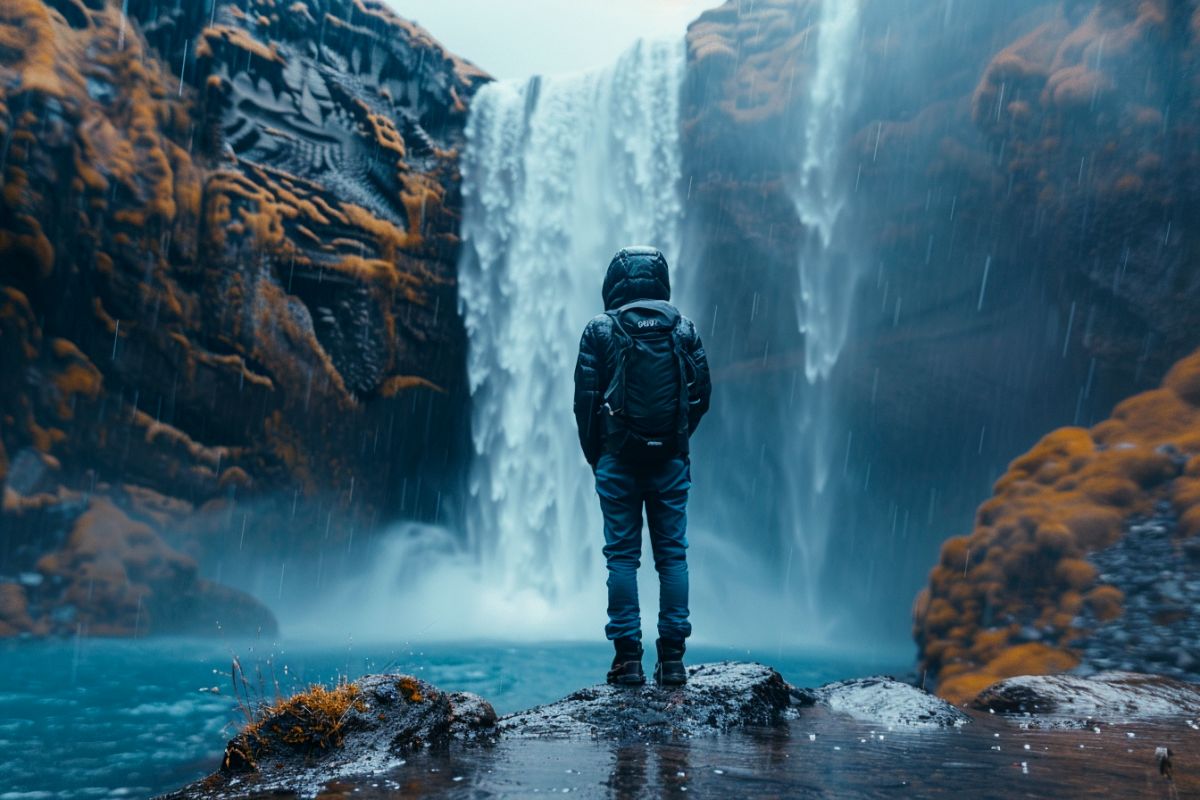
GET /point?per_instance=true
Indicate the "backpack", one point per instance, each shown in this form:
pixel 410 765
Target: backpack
pixel 646 403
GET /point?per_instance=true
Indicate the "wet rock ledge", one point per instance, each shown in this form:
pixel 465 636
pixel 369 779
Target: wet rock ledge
pixel 367 727
pixel 325 737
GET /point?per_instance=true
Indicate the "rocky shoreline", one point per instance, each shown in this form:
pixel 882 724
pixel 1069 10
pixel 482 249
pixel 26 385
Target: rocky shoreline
pixel 355 733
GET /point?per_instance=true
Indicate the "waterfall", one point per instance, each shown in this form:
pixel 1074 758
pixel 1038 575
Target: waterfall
pixel 826 283
pixel 558 173
pixel 828 274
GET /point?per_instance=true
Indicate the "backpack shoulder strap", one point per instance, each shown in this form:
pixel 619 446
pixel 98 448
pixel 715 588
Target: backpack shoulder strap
pixel 614 394
pixel 681 358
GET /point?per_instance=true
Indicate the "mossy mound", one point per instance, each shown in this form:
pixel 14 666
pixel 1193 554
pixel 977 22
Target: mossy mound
pixel 325 733
pixel 1004 600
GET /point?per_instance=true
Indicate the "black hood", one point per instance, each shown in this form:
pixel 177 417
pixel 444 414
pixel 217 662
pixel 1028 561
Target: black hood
pixel 636 273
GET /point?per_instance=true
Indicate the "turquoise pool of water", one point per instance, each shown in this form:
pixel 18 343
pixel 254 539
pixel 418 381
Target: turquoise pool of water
pixel 131 718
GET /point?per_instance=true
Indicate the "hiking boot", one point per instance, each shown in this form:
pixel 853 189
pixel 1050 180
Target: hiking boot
pixel 627 663
pixel 669 670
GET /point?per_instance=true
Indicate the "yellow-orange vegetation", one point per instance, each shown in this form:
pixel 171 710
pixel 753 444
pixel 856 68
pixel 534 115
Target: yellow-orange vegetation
pixel 30 45
pixel 1086 62
pixel 216 37
pixel 119 148
pixel 169 438
pixel 79 376
pixel 410 690
pixel 314 718
pixel 1024 563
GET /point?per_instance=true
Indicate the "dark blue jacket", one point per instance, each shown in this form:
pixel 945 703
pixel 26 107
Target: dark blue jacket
pixel 635 273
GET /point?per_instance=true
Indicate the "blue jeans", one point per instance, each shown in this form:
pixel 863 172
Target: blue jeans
pixel 663 490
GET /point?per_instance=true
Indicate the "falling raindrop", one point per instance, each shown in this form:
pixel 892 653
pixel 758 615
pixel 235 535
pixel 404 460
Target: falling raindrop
pixel 987 265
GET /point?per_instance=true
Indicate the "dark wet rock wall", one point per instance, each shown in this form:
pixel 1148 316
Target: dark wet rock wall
pixel 228 235
pixel 1022 175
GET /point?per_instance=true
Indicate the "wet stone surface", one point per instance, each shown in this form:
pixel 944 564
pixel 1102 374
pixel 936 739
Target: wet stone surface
pixel 307 744
pixel 886 701
pixel 1159 627
pixel 739 729
pixel 716 698
pixel 389 719
pixel 819 755
pixel 1072 701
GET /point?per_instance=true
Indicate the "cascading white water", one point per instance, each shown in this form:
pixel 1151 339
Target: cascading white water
pixel 829 273
pixel 826 285
pixel 559 172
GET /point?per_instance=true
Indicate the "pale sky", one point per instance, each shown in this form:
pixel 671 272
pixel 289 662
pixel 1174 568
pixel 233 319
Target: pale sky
pixel 519 38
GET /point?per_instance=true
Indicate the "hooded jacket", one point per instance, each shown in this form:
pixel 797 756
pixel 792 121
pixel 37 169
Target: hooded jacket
pixel 634 274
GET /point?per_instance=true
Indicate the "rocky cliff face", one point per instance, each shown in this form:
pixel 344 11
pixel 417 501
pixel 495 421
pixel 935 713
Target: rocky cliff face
pixel 1081 559
pixel 227 301
pixel 1021 176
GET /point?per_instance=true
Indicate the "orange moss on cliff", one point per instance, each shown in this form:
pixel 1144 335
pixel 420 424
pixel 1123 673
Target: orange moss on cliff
pixel 30 45
pixel 762 56
pixel 117 144
pixel 216 38
pixel 110 568
pixel 200 289
pixel 1024 562
pixel 77 376
pixel 193 259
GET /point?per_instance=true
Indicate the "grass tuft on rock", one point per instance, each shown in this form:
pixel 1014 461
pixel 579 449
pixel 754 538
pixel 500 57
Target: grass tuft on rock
pixel 314 719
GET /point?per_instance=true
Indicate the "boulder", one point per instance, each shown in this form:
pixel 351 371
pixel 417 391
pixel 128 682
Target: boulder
pixel 104 572
pixel 716 698
pixel 298 744
pixel 1077 701
pixel 886 701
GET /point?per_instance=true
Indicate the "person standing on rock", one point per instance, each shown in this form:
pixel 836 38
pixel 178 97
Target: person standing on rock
pixel 641 387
